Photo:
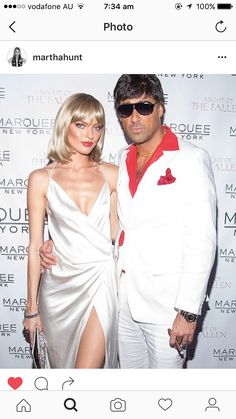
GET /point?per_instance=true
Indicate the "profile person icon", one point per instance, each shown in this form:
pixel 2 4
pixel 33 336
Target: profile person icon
pixel 212 404
pixel 17 59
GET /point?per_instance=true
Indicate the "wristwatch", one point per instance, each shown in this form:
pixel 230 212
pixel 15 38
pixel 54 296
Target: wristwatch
pixel 189 317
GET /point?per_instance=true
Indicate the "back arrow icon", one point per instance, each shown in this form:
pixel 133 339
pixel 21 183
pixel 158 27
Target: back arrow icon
pixel 13 30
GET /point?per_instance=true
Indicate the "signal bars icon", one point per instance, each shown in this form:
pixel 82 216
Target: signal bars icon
pixel 80 5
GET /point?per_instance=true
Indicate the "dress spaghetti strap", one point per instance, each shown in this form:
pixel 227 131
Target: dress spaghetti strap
pixel 50 171
pixel 107 175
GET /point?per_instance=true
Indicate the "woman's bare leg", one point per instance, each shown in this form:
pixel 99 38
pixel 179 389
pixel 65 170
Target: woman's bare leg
pixel 91 352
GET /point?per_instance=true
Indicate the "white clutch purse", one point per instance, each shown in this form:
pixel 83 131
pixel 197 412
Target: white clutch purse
pixel 39 351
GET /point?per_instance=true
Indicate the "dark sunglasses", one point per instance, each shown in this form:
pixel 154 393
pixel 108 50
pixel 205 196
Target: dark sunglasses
pixel 143 108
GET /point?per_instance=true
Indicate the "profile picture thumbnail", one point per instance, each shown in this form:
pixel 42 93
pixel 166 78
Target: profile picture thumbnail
pixel 17 57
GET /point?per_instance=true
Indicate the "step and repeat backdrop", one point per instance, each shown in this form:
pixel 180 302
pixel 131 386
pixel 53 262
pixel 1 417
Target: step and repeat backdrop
pixel 200 109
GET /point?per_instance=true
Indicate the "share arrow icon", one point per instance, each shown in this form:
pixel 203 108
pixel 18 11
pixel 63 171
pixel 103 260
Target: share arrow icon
pixel 189 5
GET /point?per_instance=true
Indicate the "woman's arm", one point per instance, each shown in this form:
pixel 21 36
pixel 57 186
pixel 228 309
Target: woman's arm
pixel 36 201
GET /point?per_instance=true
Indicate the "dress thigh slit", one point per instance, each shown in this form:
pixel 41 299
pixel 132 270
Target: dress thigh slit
pixel 88 331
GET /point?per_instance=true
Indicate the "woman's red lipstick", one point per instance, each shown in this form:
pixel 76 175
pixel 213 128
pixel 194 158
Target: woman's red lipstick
pixel 87 143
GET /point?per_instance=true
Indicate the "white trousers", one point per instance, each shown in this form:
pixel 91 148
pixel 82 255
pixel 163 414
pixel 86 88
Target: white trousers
pixel 143 345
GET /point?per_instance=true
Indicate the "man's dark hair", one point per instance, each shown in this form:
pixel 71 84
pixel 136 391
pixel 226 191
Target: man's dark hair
pixel 135 85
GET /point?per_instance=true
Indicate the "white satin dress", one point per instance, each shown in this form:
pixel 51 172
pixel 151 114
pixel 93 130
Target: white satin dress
pixel 83 278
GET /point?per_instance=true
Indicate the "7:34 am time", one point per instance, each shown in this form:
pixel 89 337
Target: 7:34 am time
pixel 118 6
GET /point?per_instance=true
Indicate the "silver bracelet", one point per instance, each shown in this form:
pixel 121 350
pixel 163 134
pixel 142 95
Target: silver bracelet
pixel 31 316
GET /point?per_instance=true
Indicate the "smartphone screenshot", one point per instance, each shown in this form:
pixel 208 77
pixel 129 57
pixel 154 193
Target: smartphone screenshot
pixel 117 209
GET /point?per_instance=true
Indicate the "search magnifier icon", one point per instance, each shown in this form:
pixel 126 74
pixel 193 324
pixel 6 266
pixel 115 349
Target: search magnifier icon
pixel 70 404
pixel 41 383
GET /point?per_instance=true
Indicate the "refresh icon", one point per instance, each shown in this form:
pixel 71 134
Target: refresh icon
pixel 219 26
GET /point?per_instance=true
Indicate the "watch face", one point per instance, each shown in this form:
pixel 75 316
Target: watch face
pixel 190 317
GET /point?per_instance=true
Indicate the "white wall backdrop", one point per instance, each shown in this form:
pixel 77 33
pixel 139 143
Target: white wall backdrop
pixel 200 109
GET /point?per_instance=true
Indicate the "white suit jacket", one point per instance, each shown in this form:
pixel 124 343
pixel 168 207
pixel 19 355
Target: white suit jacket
pixel 170 235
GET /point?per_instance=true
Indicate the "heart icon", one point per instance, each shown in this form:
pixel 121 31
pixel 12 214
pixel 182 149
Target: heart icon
pixel 165 404
pixel 15 382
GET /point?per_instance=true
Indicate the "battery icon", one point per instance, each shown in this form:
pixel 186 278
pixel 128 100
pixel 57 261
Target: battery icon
pixel 224 6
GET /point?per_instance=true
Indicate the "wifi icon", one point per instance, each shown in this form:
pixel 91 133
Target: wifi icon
pixel 80 5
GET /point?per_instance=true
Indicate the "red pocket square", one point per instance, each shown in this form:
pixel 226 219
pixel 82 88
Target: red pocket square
pixel 167 179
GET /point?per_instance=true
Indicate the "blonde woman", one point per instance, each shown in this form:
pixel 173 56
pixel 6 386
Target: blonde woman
pixel 75 302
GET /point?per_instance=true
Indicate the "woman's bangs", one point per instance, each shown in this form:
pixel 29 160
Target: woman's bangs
pixel 88 111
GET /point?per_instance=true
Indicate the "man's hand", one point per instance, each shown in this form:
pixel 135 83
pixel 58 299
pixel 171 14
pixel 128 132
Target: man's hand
pixel 182 332
pixel 45 253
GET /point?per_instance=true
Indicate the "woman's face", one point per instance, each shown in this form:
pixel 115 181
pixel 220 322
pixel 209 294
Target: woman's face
pixel 17 52
pixel 83 135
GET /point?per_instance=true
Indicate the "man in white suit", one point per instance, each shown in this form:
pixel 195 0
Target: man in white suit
pixel 167 238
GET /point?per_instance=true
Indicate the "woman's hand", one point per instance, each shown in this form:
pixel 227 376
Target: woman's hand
pixel 30 325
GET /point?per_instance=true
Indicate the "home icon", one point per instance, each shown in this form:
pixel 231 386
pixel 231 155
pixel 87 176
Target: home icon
pixel 23 406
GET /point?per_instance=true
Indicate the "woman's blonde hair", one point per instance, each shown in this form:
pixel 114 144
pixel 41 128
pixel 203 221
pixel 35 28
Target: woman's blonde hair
pixel 77 107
